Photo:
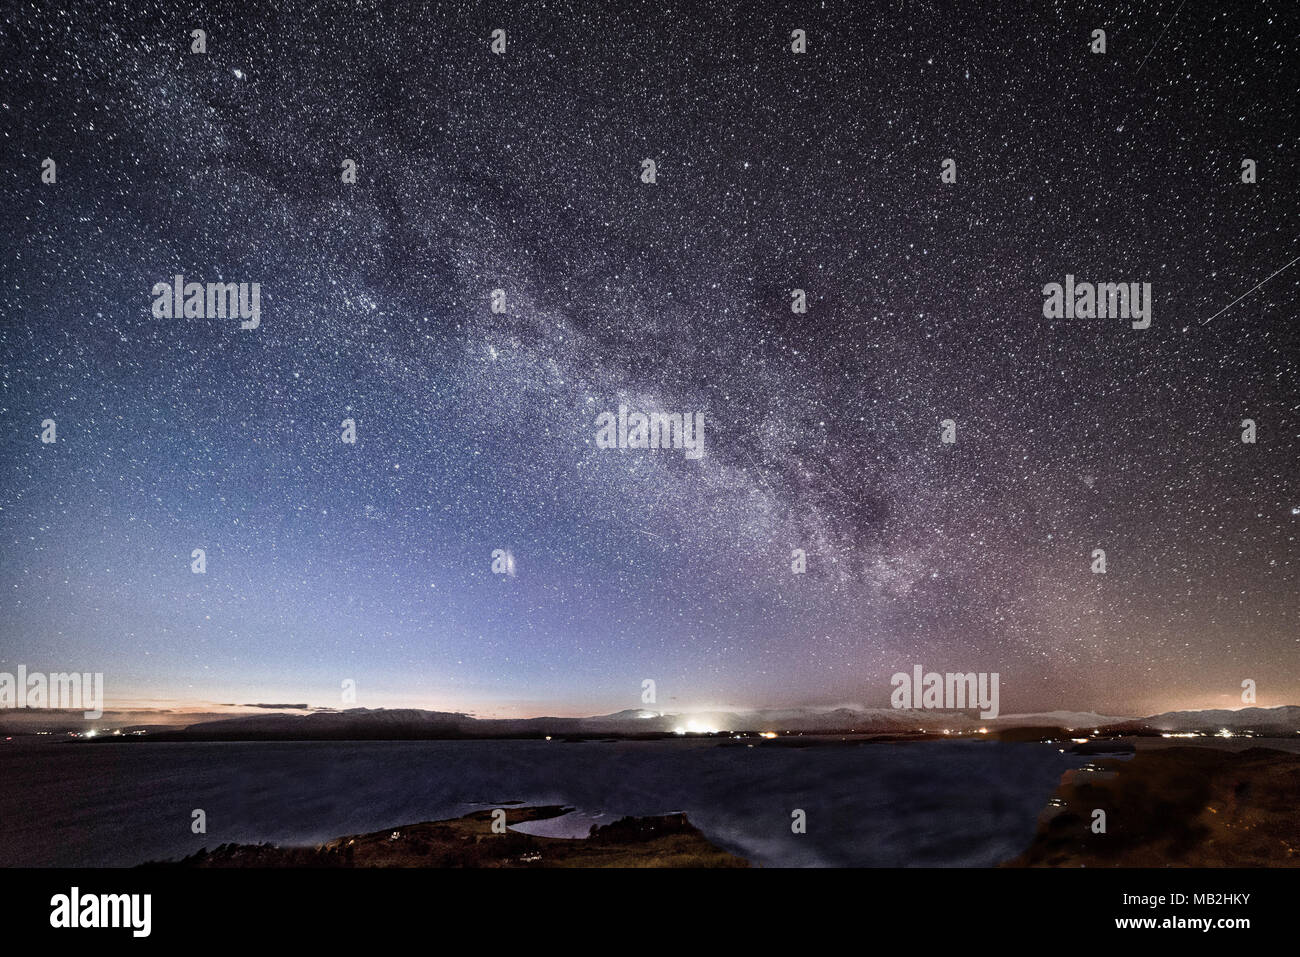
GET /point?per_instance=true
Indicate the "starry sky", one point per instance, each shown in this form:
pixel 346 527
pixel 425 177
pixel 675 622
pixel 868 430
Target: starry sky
pixel 476 430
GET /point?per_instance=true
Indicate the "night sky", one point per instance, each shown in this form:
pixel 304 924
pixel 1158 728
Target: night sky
pixel 476 430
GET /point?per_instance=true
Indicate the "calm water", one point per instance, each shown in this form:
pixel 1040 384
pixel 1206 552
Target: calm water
pixel 959 803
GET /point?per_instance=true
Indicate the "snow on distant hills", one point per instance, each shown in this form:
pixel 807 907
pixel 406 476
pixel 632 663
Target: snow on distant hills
pixel 410 723
pixel 407 723
pixel 1285 719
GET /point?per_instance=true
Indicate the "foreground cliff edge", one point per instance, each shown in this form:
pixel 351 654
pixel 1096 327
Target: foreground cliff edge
pixel 1174 807
pixel 469 841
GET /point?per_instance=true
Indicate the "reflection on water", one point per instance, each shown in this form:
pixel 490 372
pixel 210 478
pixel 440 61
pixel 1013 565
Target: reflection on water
pixel 575 824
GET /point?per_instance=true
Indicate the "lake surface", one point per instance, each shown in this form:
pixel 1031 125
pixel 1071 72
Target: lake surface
pixel 940 803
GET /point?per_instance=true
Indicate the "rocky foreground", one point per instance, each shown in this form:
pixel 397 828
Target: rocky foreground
pixel 469 841
pixel 1175 807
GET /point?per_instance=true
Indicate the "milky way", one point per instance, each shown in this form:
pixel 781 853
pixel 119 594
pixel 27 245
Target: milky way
pixel 522 171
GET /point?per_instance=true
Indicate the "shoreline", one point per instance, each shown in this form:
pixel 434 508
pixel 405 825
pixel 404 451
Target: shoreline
pixel 1173 806
pixel 487 839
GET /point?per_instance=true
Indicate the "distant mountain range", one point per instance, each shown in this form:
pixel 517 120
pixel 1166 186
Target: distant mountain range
pixel 1283 720
pixel 398 724
pixel 362 723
